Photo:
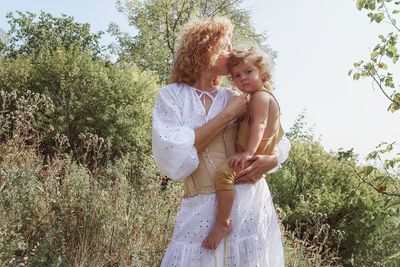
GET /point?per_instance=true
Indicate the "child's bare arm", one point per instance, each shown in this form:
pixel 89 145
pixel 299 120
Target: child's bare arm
pixel 259 109
pixel 259 116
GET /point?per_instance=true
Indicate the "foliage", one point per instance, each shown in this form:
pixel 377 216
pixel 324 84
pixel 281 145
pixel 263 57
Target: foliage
pixel 54 212
pixel 4 39
pixel 385 52
pixel 314 181
pixel 90 97
pixel 29 35
pixel 385 180
pixel 309 243
pixel 79 187
pixel 159 23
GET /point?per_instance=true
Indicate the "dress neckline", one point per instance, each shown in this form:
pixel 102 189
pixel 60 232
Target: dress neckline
pixel 202 94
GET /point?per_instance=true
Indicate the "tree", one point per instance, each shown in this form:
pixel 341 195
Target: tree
pixel 386 51
pixel 159 22
pixel 385 179
pixel 29 34
pixel 4 39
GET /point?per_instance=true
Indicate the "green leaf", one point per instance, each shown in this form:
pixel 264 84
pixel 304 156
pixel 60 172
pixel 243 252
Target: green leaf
pixel 379 17
pixel 374 54
pixel 349 73
pixel 393 107
pixel 369 170
pixel 360 4
pixel 356 76
pixel 392 49
pixel 352 194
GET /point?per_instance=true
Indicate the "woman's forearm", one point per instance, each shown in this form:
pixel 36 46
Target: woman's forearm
pixel 236 106
pixel 261 164
pixel 205 134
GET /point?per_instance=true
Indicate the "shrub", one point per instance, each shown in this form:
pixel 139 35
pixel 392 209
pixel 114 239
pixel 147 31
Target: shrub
pixel 90 96
pixel 314 176
pixel 55 212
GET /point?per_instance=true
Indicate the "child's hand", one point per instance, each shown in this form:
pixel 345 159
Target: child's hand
pixel 239 160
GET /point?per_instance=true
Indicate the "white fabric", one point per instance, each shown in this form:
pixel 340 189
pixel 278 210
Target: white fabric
pixel 203 94
pixel 255 239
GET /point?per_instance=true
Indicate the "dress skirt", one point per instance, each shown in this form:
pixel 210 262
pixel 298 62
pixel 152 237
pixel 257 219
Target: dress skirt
pixel 255 239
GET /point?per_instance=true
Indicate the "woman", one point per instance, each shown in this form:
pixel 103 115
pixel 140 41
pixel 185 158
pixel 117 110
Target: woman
pixel 194 132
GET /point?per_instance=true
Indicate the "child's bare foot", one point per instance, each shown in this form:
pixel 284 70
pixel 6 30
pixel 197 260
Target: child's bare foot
pixel 219 231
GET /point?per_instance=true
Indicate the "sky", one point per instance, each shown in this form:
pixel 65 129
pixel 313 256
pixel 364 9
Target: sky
pixel 317 42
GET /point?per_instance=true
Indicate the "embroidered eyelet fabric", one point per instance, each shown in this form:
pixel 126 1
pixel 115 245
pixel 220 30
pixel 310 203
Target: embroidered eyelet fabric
pixel 255 239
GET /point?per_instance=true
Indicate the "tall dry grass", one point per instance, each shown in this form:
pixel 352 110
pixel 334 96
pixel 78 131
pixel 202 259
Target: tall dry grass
pixel 58 212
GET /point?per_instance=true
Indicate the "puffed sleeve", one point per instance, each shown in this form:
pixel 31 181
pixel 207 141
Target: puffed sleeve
pixel 284 148
pixel 172 142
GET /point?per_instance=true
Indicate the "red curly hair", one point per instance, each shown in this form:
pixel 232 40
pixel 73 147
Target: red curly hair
pixel 200 45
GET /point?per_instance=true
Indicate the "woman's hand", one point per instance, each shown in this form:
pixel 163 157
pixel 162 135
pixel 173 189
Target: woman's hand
pixel 260 165
pixel 237 105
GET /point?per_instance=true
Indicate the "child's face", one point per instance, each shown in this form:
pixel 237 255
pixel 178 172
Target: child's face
pixel 247 77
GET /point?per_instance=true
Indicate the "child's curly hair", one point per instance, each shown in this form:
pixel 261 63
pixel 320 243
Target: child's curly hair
pixel 252 54
pixel 200 45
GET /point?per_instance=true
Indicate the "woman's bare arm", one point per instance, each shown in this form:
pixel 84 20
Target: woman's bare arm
pixel 205 134
pixel 260 165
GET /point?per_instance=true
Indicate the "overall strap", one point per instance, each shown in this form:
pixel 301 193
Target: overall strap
pixel 262 89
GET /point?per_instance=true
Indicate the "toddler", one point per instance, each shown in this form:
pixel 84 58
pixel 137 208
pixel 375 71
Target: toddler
pixel 259 131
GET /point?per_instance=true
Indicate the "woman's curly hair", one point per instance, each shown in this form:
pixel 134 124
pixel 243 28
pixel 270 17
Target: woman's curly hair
pixel 252 54
pixel 200 45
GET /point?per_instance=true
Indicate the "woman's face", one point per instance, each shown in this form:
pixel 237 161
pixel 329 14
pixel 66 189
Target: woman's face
pixel 220 67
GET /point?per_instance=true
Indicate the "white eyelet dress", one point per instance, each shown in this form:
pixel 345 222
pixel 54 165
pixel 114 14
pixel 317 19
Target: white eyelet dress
pixel 255 239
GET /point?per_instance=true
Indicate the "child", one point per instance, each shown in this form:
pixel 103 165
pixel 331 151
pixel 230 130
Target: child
pixel 259 131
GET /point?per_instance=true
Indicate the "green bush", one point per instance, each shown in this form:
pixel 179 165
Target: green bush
pixel 314 181
pixel 90 96
pixel 55 212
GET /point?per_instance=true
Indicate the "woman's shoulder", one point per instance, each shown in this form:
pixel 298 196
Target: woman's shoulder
pixel 172 90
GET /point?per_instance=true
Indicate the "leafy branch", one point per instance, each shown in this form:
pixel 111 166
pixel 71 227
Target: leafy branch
pixel 380 181
pixel 384 52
